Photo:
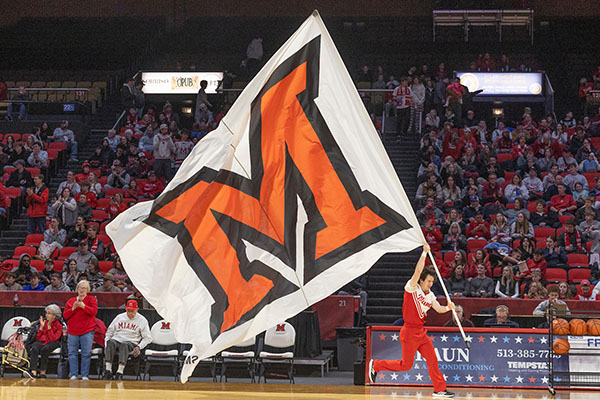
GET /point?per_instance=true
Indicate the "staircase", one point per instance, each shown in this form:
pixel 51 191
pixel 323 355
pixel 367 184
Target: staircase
pixel 100 123
pixel 388 276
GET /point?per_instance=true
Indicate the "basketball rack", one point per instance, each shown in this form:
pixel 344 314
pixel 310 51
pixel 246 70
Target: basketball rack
pixel 572 375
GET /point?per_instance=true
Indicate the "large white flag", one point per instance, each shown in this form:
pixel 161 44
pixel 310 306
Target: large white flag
pixel 290 198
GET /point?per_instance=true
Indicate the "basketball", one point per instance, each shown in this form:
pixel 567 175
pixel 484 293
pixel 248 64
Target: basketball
pixel 578 327
pixel 561 346
pixel 593 327
pixel 560 327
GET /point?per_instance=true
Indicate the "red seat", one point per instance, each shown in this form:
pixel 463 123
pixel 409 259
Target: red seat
pixel 543 233
pixel 96 224
pixel 531 206
pixel 556 275
pixel 141 182
pixel 103 226
pixel 111 192
pixel 33 171
pixel 503 157
pixel 24 250
pixel 475 244
pixel 576 275
pixel 15 136
pixel 595 142
pixel 560 230
pixel 563 220
pixel 38 264
pixel 105 266
pixel 497 271
pixel 52 154
pixel 34 239
pixel 65 252
pixel 102 204
pixel 449 257
pixel 516 243
pixel 103 180
pixel 99 215
pixel 10 264
pixel 12 192
pixel 591 178
pixel 59 265
pixel 577 260
pixel 105 240
pixel 541 244
pixel 59 146
pixel 508 175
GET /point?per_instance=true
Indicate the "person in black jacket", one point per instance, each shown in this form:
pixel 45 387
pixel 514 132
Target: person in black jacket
pixel 128 94
pixel 502 318
pixel 20 177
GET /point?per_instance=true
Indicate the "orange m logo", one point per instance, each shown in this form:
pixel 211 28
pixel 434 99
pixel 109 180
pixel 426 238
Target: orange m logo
pixel 294 158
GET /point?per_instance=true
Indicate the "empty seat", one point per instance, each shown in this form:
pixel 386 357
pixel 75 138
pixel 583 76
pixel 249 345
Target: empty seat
pixel 19 250
pixel 576 275
pixel 34 239
pixel 577 260
pixel 556 275
pixel 65 252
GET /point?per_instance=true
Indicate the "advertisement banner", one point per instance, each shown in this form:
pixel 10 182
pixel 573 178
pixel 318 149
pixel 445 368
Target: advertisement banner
pixel 497 358
pixel 180 82
pixel 502 83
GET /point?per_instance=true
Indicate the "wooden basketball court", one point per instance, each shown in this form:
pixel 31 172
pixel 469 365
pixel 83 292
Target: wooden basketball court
pixel 143 390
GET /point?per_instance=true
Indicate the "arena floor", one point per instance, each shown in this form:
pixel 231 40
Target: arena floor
pixel 13 389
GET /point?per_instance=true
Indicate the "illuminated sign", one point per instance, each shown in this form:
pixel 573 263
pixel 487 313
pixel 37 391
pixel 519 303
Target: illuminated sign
pixel 502 83
pixel 180 82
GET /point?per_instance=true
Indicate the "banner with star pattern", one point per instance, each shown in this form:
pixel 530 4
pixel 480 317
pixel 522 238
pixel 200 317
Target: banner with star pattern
pixel 498 357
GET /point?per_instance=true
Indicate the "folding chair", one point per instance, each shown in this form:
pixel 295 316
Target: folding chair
pixel 244 352
pixel 278 348
pixel 164 349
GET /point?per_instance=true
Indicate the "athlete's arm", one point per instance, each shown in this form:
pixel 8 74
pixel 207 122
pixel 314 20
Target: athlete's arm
pixel 442 309
pixel 414 280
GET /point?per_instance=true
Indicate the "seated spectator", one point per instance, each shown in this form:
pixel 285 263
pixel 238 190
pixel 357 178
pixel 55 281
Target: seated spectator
pixel 478 228
pixel 502 318
pixel 38 158
pixel 83 209
pixel 569 122
pixel 9 282
pixel 507 285
pixel 538 262
pixel 65 209
pixel 82 256
pixel 457 285
pixel 147 140
pixel 556 256
pixel 511 214
pixel 540 218
pixel 19 153
pixel 20 177
pixel 118 178
pixel 19 101
pixel 469 213
pixel 95 245
pixel 521 228
pixel 429 188
pixel 46 273
pixel 460 313
pixel 588 207
pixel 579 194
pixel 562 203
pixel 588 225
pixel 64 134
pixel 586 292
pixel 70 275
pixel 534 185
pixel 526 247
pixel 78 232
pixel 545 163
pixel 481 285
pixel 119 273
pixel 24 270
pixel 515 189
pixel 54 238
pixel 505 143
pixel 452 217
pixel 132 192
pixel 566 160
pixel 116 206
pixel 560 135
pixel 433 235
pixel 554 189
pixel 47 339
pixel 479 257
pixel 152 187
pixel 499 230
pixel 85 191
pixel 460 258
pixel 595 191
pixel 108 284
pixel 34 283
pixel 454 239
pixel 584 151
pixel 590 164
pixel 57 284
pixel 549 179
pixel 95 187
pixel 451 194
pixel 126 335
pixel 536 291
pixel 94 275
pixel 430 212
pixel 573 177
pixel 85 171
pixel 112 139
pixel 492 191
pixel 553 294
pixel 564 291
pixel 570 239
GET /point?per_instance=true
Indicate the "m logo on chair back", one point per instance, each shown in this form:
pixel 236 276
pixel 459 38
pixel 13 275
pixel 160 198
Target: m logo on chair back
pixel 165 325
pixel 18 322
pixel 280 328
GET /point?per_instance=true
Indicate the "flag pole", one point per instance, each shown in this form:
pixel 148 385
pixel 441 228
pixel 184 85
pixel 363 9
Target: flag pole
pixel 462 332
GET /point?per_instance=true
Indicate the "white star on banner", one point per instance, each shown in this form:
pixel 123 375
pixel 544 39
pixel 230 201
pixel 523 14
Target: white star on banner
pixel 469 338
pixel 419 377
pixel 444 338
pixel 519 379
pixel 493 339
pixel 394 376
pixel 543 340
pixel 544 379
pixel 469 378
pixel 395 337
pixel 518 339
pixel 494 378
pixel 445 377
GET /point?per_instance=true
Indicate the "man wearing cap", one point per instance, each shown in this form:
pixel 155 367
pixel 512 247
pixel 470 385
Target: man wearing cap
pixel 118 178
pixel 127 334
pixel 108 284
pixel 82 256
pixel 85 172
pixel 64 134
pixel 472 209
pixel 164 148
pixel 587 294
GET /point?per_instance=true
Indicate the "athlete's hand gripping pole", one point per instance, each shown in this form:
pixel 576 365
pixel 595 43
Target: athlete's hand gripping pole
pixel 462 332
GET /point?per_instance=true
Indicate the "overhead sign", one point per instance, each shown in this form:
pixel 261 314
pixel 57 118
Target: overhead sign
pixel 502 83
pixel 180 82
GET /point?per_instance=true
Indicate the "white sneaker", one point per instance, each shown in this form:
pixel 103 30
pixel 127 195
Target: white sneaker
pixel 85 378
pixel 73 378
pixel 443 395
pixel 372 373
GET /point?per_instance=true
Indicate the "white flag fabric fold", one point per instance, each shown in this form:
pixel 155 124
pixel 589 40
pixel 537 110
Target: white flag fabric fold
pixel 289 199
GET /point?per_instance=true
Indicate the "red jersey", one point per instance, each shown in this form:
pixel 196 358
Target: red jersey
pixel 182 149
pixel 151 188
pixel 416 304
pixel 91 198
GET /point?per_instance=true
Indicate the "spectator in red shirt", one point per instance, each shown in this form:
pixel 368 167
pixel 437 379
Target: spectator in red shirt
pixel 116 206
pixel 492 191
pixel 479 258
pixel 478 228
pixel 85 191
pixel 37 205
pixel 586 292
pixel 152 187
pixel 4 202
pixel 47 339
pixel 132 192
pixel 84 174
pixel 562 203
pixel 433 235
pixel 80 314
pixel 537 262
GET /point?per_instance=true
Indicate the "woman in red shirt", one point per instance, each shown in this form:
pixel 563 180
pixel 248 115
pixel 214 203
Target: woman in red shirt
pixel 80 314
pixel 47 339
pixel 116 206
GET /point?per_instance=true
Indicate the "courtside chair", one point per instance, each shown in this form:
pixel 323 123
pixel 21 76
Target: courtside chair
pixel 210 361
pixel 243 353
pixel 278 349
pixel 164 349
